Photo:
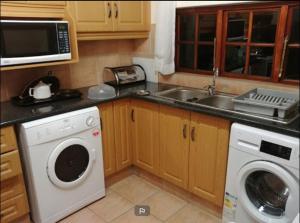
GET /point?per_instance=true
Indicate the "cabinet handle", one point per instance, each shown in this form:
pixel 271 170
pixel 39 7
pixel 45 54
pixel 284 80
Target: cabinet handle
pixel 117 11
pixel 286 40
pixel 132 115
pixel 109 10
pixel 193 134
pixel 184 131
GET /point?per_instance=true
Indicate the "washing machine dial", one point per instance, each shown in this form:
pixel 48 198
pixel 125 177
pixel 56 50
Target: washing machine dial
pixel 90 121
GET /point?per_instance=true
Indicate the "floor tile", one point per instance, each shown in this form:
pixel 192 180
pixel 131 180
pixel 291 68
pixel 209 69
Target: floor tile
pixel 110 207
pixel 130 217
pixel 163 204
pixel 134 189
pixel 83 216
pixel 192 214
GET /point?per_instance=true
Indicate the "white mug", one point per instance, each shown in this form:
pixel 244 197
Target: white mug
pixel 40 91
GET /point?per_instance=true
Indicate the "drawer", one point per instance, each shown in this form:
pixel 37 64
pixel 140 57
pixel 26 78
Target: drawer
pixel 10 165
pixel 14 208
pixel 8 139
pixel 12 187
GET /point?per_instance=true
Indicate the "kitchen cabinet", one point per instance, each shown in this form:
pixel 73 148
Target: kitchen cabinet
pixel 145 133
pixel 121 110
pixel 110 19
pixel 208 157
pixel 108 138
pixel 174 127
pixel 33 9
pixel 92 16
pixel 14 204
pixel 131 15
pixel 44 3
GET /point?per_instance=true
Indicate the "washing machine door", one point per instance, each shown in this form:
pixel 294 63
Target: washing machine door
pixel 70 163
pixel 268 192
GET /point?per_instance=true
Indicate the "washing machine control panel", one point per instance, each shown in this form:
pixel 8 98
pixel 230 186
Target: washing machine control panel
pixel 275 150
pixel 56 127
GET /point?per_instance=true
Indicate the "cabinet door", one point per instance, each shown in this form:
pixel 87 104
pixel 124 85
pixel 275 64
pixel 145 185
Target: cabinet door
pixel 108 138
pixel 122 133
pixel 174 145
pixel 144 119
pixel 208 157
pixel 92 16
pixel 131 15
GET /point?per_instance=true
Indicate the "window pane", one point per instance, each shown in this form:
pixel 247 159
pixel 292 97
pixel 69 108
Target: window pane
pixel 295 36
pixel 186 55
pixel 264 27
pixel 261 61
pixel 207 27
pixel 187 27
pixel 205 57
pixel 235 59
pixel 292 66
pixel 237 27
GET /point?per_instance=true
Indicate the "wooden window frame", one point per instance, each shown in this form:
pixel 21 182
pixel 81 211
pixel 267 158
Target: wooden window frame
pixel 283 27
pixel 287 32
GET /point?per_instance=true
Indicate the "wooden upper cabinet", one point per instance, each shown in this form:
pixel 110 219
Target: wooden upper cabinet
pixel 122 133
pixel 208 157
pixel 174 145
pixel 131 15
pixel 100 20
pixel 108 138
pixel 45 3
pixel 144 132
pixel 92 16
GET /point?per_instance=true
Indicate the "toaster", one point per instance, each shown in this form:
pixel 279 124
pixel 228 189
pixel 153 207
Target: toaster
pixel 124 75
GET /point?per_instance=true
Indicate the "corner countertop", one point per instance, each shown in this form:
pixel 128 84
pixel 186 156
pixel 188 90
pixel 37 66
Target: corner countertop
pixel 12 114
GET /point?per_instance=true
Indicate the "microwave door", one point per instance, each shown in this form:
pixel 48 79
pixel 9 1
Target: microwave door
pixel 23 43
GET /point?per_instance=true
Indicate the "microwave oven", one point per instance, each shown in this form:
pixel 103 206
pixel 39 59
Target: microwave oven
pixel 36 41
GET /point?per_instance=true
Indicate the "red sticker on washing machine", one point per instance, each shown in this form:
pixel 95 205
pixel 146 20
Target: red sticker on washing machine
pixel 96 133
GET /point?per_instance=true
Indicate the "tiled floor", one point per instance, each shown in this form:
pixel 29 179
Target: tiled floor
pixel 118 206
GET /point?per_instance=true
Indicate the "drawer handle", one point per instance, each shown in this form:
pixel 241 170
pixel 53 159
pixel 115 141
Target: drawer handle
pixel 193 134
pixel 184 131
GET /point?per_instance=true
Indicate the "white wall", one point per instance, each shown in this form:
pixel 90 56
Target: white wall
pixel 181 4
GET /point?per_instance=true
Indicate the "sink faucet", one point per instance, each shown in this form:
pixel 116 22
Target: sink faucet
pixel 212 87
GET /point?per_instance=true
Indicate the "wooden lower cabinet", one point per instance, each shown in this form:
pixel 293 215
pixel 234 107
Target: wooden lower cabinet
pixel 108 138
pixel 14 204
pixel 208 157
pixel 121 110
pixel 174 127
pixel 145 133
pixel 187 149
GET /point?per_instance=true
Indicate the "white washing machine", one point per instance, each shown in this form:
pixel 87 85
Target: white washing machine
pixel 62 157
pixel 262 183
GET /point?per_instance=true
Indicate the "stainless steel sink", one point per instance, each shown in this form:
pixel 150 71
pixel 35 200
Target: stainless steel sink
pixel 218 101
pixel 183 94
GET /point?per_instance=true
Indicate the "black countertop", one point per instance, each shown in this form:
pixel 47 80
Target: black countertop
pixel 12 114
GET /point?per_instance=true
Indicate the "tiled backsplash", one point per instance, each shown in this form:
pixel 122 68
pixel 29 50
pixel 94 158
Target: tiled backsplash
pixel 94 56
